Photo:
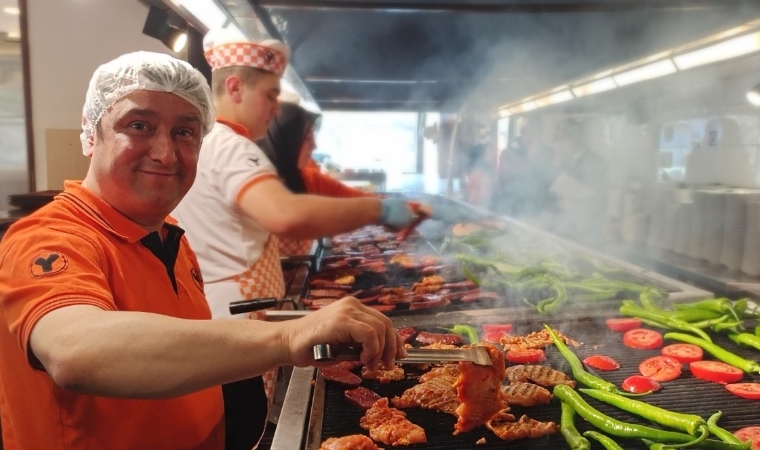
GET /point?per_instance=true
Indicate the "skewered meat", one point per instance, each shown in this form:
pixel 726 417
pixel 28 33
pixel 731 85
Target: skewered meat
pixel 327 284
pixel 436 391
pixel 479 391
pixel 390 426
pixel 352 442
pixel 469 298
pixel 424 337
pixel 407 333
pixel 429 301
pixel 341 377
pixel 426 288
pixel 346 280
pixel 537 339
pixel 543 375
pixel 461 285
pixel 454 296
pixel 382 375
pixel 509 430
pixel 525 394
pixel 399 290
pixel 402 260
pixel 327 293
pixel 362 397
pixel 430 281
pixel 392 299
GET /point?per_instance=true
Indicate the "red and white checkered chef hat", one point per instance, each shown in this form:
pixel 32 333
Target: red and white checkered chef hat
pixel 226 49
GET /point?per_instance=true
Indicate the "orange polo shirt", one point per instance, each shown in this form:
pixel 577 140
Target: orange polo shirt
pixel 78 250
pixel 318 183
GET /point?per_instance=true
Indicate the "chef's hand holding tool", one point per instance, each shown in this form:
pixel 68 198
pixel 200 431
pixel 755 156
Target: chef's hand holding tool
pixel 478 355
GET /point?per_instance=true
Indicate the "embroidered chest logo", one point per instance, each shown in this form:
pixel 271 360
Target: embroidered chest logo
pixel 254 160
pixel 47 263
pixel 197 278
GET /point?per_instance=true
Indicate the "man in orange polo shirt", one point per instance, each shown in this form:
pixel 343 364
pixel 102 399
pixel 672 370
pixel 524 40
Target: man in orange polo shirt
pixel 106 340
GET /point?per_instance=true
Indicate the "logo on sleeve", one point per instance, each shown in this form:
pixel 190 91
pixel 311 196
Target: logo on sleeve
pixel 48 263
pixel 197 278
pixel 254 160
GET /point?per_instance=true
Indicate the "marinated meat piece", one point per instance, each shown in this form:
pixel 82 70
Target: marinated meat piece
pixel 327 293
pixel 479 391
pixel 374 267
pixel 392 299
pixel 444 370
pixel 382 375
pixel 349 365
pixel 431 270
pixel 424 337
pixel 400 290
pixel 429 281
pixel 337 265
pixel 461 285
pixel 327 284
pixel 469 298
pixel 390 426
pixel 429 301
pixel 370 299
pixel 426 288
pixel 537 339
pixel 368 249
pixel 525 394
pixel 407 333
pixel 426 261
pixel 436 391
pixel 543 375
pixel 443 346
pixel 455 296
pixel 402 259
pixel 509 430
pixel 345 281
pixel 362 397
pixel 341 377
pixel 352 442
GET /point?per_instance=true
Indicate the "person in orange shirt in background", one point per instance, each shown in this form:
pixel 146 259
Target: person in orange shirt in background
pixel 289 144
pixel 106 337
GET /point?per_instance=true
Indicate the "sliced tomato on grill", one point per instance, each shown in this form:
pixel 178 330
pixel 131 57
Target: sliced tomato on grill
pixel 642 339
pixel 749 434
pixel 494 327
pixel 745 390
pixel 716 371
pixel 494 337
pixel 623 324
pixel 638 384
pixel 601 362
pixel 661 368
pixel 526 356
pixel 686 353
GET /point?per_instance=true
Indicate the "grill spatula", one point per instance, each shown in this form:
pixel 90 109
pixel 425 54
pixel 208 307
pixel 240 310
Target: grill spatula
pixel 478 355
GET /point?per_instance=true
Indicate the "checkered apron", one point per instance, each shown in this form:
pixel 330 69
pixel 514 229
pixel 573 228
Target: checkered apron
pixel 294 247
pixel 264 279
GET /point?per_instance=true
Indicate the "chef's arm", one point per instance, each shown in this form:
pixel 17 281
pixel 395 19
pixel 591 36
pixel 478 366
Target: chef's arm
pixel 141 355
pixel 303 216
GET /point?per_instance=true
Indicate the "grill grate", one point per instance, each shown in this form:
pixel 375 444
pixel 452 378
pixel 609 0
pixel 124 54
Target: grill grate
pixel 685 394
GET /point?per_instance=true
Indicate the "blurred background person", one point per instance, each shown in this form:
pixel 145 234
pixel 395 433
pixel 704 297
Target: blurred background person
pixel 481 177
pixel 580 185
pixel 525 173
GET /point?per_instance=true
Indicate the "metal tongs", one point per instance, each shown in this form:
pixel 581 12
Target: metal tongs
pixel 477 355
pixel 420 214
pixel 257 304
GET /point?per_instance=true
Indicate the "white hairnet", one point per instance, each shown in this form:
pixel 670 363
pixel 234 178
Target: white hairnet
pixel 150 71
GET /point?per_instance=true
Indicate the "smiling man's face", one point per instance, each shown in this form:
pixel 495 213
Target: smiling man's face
pixel 145 155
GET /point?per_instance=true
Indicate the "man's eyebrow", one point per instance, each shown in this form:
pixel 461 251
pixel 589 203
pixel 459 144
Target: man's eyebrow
pixel 151 113
pixel 189 118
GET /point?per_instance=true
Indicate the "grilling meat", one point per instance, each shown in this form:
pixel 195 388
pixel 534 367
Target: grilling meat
pixel 346 281
pixel 525 394
pixel 424 337
pixel 434 280
pixel 504 426
pixel 382 375
pixel 543 375
pixel 469 298
pixel 436 391
pixel 327 284
pixel 390 426
pixel 407 333
pixel 537 339
pixel 429 301
pixel 327 293
pixel 341 377
pixel 479 391
pixel 352 442
pixel 362 397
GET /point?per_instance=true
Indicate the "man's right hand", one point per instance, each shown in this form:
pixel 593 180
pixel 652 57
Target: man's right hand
pixel 345 322
pixel 396 213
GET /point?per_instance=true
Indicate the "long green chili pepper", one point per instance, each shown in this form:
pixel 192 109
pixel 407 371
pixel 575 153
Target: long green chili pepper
pixel 647 299
pixel 568 430
pixel 720 305
pixel 606 441
pixel 689 423
pixel 465 330
pixel 654 324
pixel 546 306
pixel 629 308
pixel 748 339
pixel 731 327
pixel 654 445
pixel 721 433
pixel 579 373
pixel 712 444
pixel 718 352
pixel 710 322
pixel 622 429
pixel 692 315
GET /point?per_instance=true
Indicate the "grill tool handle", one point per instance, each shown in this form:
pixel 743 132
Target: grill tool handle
pixel 328 352
pixel 257 304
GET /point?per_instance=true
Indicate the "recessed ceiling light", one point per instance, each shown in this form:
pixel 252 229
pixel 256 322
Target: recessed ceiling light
pixel 12 10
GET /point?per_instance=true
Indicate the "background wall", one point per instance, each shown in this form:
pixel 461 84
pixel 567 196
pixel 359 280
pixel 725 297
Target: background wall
pixel 68 39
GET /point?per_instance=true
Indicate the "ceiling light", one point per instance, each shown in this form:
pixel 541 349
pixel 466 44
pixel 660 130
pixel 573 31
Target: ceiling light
pixel 179 42
pixel 12 10
pixel 168 29
pixel 523 107
pixel 647 72
pixel 731 48
pixel 504 113
pixel 553 99
pixel 753 96
pixel 605 84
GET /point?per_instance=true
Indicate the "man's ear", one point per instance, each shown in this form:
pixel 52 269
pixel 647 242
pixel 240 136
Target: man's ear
pixel 234 87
